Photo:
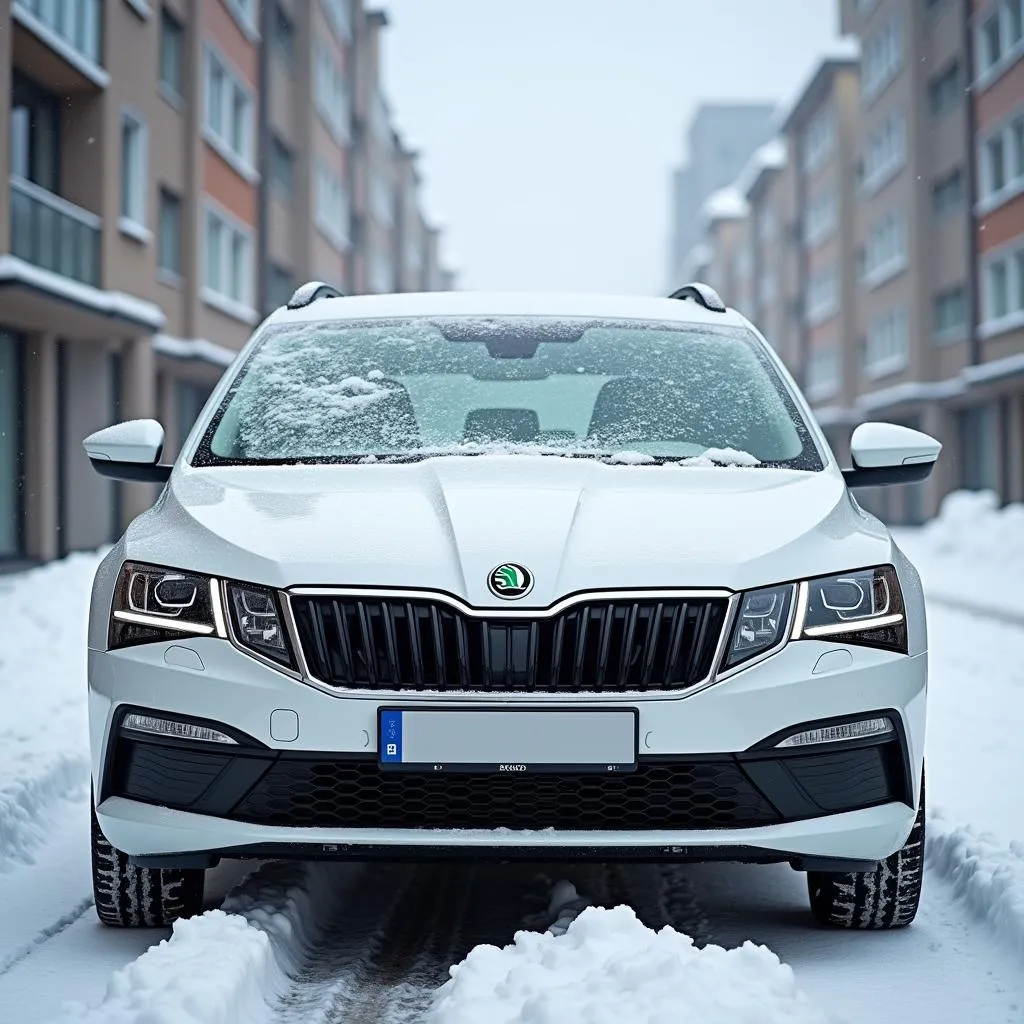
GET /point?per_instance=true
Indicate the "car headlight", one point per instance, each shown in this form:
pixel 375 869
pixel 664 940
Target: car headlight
pixel 863 607
pixel 256 622
pixel 153 603
pixel 760 625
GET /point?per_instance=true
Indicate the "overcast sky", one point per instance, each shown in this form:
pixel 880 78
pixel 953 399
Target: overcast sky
pixel 548 127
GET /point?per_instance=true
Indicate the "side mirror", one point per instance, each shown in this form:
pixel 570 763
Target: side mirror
pixel 128 451
pixel 884 453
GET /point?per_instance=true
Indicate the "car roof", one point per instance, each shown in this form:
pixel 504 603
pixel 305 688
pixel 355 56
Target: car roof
pixel 469 303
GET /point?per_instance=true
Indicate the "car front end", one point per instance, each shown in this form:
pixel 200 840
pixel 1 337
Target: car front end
pixel 509 654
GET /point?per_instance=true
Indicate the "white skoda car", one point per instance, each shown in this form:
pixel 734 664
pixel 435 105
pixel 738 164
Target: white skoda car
pixel 510 576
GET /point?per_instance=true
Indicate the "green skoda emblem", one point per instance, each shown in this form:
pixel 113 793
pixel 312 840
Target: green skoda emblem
pixel 510 581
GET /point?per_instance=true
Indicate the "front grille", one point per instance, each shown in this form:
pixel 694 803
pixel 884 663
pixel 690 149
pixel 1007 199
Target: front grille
pixel 357 794
pixel 423 644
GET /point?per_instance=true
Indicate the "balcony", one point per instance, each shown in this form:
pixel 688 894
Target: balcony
pixel 54 234
pixel 60 43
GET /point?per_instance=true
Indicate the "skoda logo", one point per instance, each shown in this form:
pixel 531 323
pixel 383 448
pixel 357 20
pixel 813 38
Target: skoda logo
pixel 510 581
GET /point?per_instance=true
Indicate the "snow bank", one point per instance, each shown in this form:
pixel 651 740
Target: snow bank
pixel 986 874
pixel 608 968
pixel 227 966
pixel 972 553
pixel 43 732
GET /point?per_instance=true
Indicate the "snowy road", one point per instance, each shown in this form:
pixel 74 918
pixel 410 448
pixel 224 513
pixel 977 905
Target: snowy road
pixel 352 943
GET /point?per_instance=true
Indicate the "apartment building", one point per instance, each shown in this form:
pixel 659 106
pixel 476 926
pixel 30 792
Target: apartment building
pixel 901 202
pixel 820 129
pixel 175 168
pixel 991 429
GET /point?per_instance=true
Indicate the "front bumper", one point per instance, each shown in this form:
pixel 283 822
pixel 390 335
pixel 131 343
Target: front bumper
pixel 711 736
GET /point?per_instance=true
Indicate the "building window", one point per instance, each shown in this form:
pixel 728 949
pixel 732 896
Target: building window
pixel 133 168
pixel 950 314
pixel 332 210
pixel 948 193
pixel 1002 164
pixel 822 296
pixel 283 29
pixel 330 93
pixel 382 272
pixel 823 366
pixel 245 14
pixel 1002 292
pixel 190 399
pixel 229 113
pixel 886 151
pixel 12 393
pixel 886 251
pixel 280 286
pixel 172 40
pixel 227 271
pixel 821 217
pixel 886 349
pixel 282 168
pixel 767 223
pixel 945 91
pixel 819 140
pixel 339 15
pixel 34 133
pixel 382 202
pixel 882 58
pixel 169 234
pixel 1000 37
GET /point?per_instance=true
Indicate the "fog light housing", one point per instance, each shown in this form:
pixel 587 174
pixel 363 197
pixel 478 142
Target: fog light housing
pixel 864 728
pixel 174 729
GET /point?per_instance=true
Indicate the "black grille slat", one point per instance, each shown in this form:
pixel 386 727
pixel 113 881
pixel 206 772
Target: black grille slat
pixel 357 794
pixel 598 646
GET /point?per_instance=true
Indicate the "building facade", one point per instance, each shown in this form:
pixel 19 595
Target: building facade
pixel 888 248
pixel 175 169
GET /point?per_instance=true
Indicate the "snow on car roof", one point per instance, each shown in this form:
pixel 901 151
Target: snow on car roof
pixel 358 307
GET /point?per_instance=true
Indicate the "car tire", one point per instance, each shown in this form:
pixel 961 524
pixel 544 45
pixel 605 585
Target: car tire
pixel 887 897
pixel 133 897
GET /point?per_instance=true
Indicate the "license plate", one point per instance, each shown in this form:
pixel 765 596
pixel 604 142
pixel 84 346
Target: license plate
pixel 512 740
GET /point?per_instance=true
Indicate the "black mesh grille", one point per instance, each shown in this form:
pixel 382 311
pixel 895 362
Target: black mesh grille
pixel 613 646
pixel 356 794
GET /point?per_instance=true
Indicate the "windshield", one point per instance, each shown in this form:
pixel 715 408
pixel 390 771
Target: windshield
pixel 403 389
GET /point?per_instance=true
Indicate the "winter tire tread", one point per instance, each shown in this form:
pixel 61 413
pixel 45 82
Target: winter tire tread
pixel 885 898
pixel 133 897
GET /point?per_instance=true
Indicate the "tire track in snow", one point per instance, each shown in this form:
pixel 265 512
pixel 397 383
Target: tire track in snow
pixel 16 956
pixel 392 943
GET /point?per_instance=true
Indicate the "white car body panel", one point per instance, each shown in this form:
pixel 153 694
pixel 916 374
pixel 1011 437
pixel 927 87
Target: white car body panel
pixel 442 525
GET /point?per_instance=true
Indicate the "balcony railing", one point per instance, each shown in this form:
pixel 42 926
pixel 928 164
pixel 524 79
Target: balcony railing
pixel 75 23
pixel 54 234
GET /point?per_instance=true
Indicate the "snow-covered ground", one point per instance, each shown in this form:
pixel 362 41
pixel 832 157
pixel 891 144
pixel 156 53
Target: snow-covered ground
pixel 756 959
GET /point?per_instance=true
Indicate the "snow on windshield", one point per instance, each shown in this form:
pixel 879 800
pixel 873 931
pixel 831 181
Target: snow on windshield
pixel 629 393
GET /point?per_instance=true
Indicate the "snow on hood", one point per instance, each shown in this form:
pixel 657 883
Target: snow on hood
pixel 444 523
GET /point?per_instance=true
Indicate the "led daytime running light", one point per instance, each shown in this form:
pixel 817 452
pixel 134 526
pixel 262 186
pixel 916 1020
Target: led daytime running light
pixel 177 730
pixel 837 733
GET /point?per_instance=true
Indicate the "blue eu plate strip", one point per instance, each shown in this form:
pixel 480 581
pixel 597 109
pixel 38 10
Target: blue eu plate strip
pixel 391 737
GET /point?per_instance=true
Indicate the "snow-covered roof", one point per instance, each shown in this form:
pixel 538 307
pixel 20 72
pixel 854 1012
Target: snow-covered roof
pixel 193 348
pixel 767 158
pixel 725 204
pixel 845 50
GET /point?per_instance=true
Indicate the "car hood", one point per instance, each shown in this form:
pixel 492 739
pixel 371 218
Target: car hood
pixel 446 523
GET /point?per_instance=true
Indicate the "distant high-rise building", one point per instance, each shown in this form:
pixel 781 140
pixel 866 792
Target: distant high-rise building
pixel 719 141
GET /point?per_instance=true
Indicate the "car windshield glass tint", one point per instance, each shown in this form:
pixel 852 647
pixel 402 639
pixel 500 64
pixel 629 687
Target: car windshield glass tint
pixel 401 389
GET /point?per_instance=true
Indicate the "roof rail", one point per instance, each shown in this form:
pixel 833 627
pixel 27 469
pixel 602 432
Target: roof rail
pixel 309 292
pixel 701 293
